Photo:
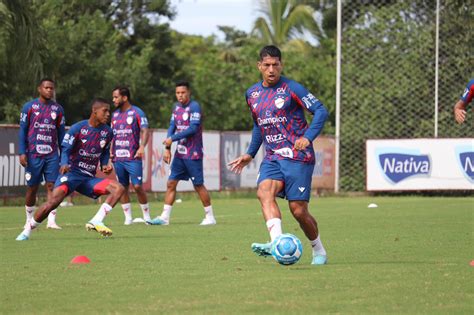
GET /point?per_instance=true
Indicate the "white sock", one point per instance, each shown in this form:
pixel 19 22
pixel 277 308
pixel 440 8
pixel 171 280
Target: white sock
pixel 52 216
pixel 146 211
pixel 165 215
pixel 30 211
pixel 208 211
pixel 318 248
pixel 274 228
pixel 127 211
pixel 31 226
pixel 104 209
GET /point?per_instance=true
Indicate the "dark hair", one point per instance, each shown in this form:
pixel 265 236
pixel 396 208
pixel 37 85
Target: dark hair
pixel 182 83
pixel 100 100
pixel 123 90
pixel 271 51
pixel 45 80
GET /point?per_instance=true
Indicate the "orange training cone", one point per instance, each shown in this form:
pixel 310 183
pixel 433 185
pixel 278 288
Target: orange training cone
pixel 80 260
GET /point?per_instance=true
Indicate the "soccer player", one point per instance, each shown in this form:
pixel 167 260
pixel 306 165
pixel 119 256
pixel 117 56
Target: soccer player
pixel 41 132
pixel 277 106
pixel 85 145
pixel 461 105
pixel 186 129
pixel 131 134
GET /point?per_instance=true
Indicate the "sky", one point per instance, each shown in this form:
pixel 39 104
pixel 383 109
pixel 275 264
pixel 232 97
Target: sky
pixel 201 17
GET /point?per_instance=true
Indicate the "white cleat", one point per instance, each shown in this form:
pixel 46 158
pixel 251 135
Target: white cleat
pixel 54 226
pixel 208 221
pixel 128 222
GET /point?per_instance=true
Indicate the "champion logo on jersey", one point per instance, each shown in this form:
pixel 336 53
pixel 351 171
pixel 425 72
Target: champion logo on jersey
pixel 84 140
pixel 301 189
pixel 53 115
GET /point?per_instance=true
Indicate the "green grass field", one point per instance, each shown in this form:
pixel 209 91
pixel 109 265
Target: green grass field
pixel 410 255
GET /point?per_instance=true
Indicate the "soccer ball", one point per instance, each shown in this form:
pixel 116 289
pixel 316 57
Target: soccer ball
pixel 287 249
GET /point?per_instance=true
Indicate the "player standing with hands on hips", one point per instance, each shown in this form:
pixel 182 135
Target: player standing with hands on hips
pixel 42 129
pixel 186 129
pixel 277 106
pixel 461 105
pixel 131 135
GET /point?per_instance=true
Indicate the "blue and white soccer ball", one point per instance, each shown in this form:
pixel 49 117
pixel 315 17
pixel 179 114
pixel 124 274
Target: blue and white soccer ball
pixel 287 249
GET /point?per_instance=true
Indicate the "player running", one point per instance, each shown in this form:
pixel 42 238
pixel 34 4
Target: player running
pixel 186 129
pixel 41 132
pixel 85 145
pixel 131 134
pixel 277 106
pixel 461 105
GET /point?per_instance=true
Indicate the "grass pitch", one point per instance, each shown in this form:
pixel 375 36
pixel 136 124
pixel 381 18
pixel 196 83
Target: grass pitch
pixel 409 255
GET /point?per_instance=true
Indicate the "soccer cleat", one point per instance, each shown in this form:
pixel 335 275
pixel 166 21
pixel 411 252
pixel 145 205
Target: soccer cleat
pixel 54 226
pixel 319 260
pixel 158 221
pixel 22 237
pixel 128 222
pixel 99 227
pixel 262 249
pixel 208 221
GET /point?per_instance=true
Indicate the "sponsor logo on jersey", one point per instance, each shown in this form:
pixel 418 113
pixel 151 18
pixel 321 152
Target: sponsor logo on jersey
pixel 23 117
pixel 116 114
pixel 281 90
pixel 271 120
pixel 44 138
pixel 309 100
pixel 84 153
pixel 122 153
pixel 275 138
pixel 254 105
pixel 285 152
pixel 86 166
pixel 53 115
pixel 35 106
pixel 104 133
pixel 399 166
pixel 255 94
pixel 54 107
pixel 43 149
pixel 38 125
pixel 182 149
pixel 84 131
pixel 130 112
pixel 37 113
pixel 279 102
pixel 195 116
pixel 122 143
pixel 84 140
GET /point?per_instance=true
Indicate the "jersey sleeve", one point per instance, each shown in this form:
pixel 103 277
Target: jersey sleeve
pixel 194 123
pixel 68 143
pixel 105 156
pixel 143 120
pixel 23 133
pixel 61 126
pixel 308 101
pixel 468 93
pixel 256 140
pixel 172 127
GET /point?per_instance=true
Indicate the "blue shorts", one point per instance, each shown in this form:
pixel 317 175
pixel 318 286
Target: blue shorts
pixel 42 167
pixel 92 187
pixel 129 171
pixel 295 175
pixel 184 169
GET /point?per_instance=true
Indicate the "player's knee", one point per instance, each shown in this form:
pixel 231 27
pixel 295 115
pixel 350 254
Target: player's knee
pixel 171 185
pixel 138 187
pixel 49 186
pixel 264 194
pixel 119 189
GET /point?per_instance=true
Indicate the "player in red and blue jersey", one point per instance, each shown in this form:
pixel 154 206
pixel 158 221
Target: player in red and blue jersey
pixel 131 134
pixel 41 132
pixel 185 129
pixel 85 146
pixel 277 105
pixel 461 105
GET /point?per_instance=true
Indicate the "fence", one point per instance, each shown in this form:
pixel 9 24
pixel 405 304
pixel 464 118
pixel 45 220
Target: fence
pixel 403 66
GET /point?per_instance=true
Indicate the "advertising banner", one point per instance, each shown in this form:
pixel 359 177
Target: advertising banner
pixel 323 173
pixel 420 164
pixel 230 149
pixel 12 174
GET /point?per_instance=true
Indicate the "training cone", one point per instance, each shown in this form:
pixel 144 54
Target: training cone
pixel 472 263
pixel 80 260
